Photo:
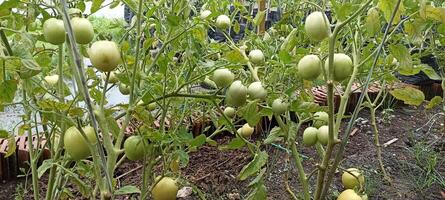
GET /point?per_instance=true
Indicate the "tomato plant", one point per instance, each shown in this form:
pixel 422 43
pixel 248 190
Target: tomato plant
pixel 176 60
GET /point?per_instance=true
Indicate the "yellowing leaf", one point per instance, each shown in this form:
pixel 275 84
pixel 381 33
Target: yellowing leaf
pixel 430 12
pixel 388 6
pixel 409 95
pixel 434 102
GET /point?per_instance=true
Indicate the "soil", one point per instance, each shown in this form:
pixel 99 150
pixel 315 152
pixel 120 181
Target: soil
pixel 415 163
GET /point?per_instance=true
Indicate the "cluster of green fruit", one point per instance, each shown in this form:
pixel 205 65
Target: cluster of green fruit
pixel 310 66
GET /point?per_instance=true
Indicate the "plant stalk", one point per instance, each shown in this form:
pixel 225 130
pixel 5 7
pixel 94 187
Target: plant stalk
pixel 360 101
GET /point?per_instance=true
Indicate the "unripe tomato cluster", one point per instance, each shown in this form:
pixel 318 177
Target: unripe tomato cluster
pixel 352 179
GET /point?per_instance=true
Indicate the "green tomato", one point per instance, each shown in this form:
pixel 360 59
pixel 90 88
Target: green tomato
pixel 52 80
pixel 152 106
pixel 342 66
pixel 112 79
pixel 317 26
pixel 310 136
pixel 229 112
pixel 256 91
pixel 209 82
pixel 309 67
pixel 104 55
pixel 175 165
pixel 236 94
pixel 223 22
pixel 204 14
pixel 54 31
pixel 349 195
pixel 223 77
pixel 75 144
pixel 83 30
pixel 246 130
pixel 74 12
pixel 256 56
pixel 279 107
pixel 124 89
pixel 323 135
pixel 351 182
pixel 134 148
pixel 320 118
pixel 165 189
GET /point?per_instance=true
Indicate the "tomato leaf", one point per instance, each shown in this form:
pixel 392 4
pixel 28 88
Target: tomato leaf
pixel 198 141
pixel 173 20
pixel 401 53
pixel 96 5
pixel 234 56
pixel 128 189
pixel 430 12
pixel 259 17
pixel 4 133
pixel 259 193
pixel 275 135
pixel 258 179
pixel 7 91
pixel 409 95
pixel 429 71
pixel 342 10
pixel 250 113
pixel 12 146
pixel 46 164
pixel 435 101
pixel 235 143
pixel 258 161
pixel 372 23
pixel 387 6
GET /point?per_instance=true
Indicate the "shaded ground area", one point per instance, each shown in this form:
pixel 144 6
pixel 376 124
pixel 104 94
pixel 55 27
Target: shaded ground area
pixel 415 162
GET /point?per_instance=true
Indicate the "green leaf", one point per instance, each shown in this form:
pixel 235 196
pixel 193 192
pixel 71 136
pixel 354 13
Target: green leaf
pixel 75 112
pixel 236 27
pixel 7 5
pixel 11 146
pixel 23 128
pixel 342 10
pixel 430 12
pixel 409 95
pixel 388 6
pixel 254 166
pixel 46 164
pixel 198 141
pixel 437 100
pixel 128 189
pixel 173 20
pixel 372 23
pixel 258 179
pixel 259 193
pixel 96 5
pixel 275 135
pixel 29 68
pixel 235 143
pixel 112 125
pixel 250 113
pixel 429 71
pixel 285 57
pixel 401 53
pixel 4 133
pixel 234 56
pixel 7 91
pixel 96 95
pixel 259 17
